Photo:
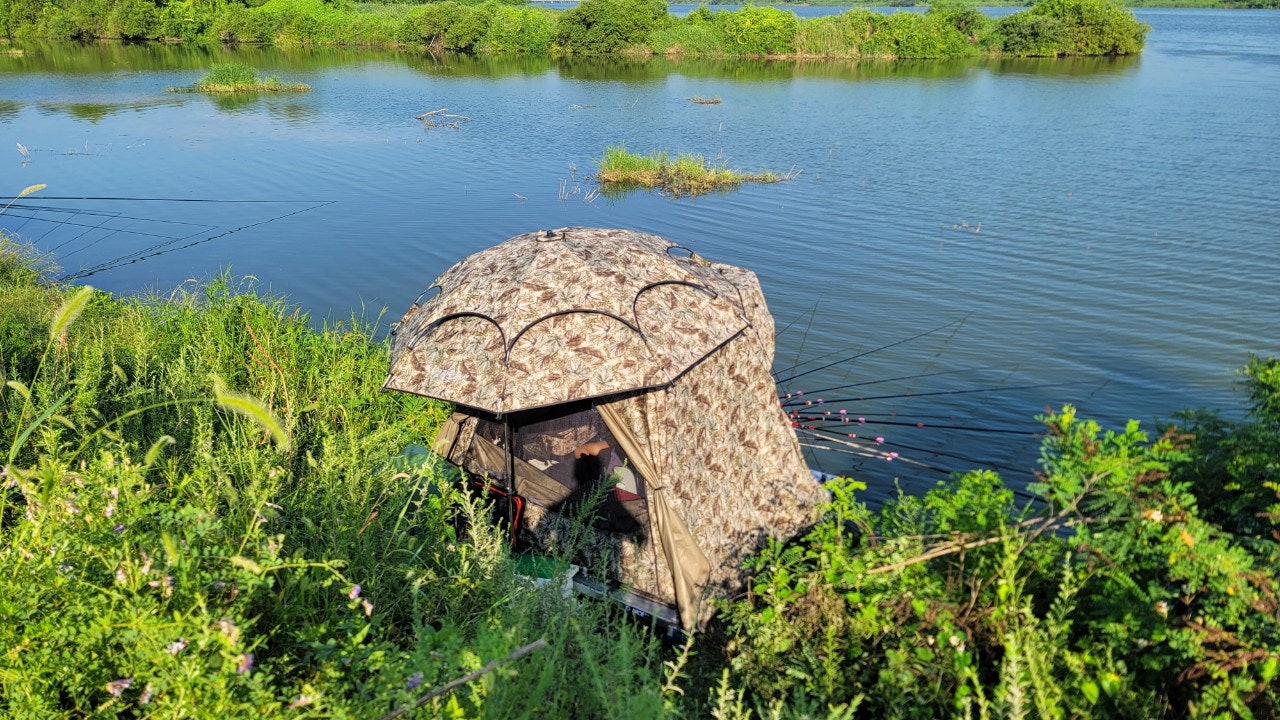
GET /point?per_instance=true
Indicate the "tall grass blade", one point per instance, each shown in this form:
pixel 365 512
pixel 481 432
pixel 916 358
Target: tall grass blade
pixel 253 409
pixel 26 432
pixel 70 310
pixel 32 188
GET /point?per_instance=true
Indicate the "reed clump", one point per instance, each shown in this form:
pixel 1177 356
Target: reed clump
pixel 687 174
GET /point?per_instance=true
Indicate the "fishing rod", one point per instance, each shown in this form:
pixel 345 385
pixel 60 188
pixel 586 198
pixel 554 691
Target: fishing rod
pixel 899 423
pixel 162 199
pixel 855 356
pixel 165 247
pixel 872 452
pixel 796 402
pixel 113 231
pixel 880 440
pixel 916 376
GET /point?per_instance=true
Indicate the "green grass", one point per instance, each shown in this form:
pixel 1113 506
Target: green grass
pixel 237 78
pixel 193 488
pixel 687 174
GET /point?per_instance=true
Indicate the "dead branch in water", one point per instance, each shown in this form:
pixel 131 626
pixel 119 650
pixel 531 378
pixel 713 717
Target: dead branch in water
pixel 441 117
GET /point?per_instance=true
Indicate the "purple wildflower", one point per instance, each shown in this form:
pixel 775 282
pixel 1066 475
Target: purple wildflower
pixel 300 701
pixel 414 680
pixel 119 529
pixel 246 663
pixel 368 608
pixel 147 693
pixel 176 646
pixel 115 687
pixel 354 592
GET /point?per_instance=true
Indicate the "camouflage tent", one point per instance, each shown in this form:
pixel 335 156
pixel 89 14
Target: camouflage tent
pixel 585 356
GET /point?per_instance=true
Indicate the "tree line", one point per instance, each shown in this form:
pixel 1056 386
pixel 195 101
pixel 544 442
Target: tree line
pixel 949 29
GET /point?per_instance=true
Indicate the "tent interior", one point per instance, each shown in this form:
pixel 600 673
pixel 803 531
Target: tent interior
pixel 563 458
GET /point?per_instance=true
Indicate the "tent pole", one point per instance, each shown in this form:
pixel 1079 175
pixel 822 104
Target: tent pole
pixel 511 478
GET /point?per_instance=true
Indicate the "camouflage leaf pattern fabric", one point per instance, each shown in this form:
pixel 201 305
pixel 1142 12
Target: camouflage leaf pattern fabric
pixel 545 318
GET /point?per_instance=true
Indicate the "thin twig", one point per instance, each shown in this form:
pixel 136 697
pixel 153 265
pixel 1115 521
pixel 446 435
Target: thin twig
pixel 447 687
pixel 429 114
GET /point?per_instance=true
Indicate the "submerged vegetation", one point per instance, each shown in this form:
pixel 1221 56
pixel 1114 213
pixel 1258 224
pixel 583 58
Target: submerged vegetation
pixel 688 174
pixel 950 29
pixel 204 512
pixel 236 78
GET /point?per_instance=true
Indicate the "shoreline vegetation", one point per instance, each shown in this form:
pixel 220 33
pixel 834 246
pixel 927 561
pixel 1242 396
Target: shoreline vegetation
pixel 205 512
pixel 634 28
pixel 687 175
pixel 237 78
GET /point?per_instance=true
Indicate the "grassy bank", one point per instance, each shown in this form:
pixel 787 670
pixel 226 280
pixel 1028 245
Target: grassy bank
pixel 201 514
pixel 1049 28
pixel 686 175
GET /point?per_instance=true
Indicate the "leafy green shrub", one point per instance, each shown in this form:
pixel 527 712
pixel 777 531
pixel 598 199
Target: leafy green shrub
pixel 1026 35
pixel 1234 473
pixel 133 19
pixel 597 27
pixel 907 35
pixel 758 30
pixel 447 25
pixel 520 30
pixel 1072 27
pixel 964 17
pixel 188 20
pixel 1082 604
pixel 19 17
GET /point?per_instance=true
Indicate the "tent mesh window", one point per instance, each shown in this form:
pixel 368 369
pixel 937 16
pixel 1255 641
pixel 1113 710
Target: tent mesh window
pixel 577 452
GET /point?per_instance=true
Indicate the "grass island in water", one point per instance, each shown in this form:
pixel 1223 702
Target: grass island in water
pixel 688 174
pixel 237 78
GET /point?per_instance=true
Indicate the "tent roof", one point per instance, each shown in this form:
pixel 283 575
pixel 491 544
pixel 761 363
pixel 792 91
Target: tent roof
pixel 547 318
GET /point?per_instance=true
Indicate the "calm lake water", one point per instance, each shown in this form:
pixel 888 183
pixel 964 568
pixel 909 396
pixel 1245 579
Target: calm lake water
pixel 1102 231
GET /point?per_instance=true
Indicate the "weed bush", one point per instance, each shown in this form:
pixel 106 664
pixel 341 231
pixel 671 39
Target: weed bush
pixel 599 27
pixel 1053 28
pixel 448 25
pixel 1084 603
pixel 905 35
pixel 758 31
pixel 520 30
pixel 687 39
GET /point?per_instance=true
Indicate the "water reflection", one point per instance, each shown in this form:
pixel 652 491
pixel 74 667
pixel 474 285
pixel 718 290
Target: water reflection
pixel 109 57
pixel 1068 67
pixel 9 108
pixel 94 112
pixel 456 65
